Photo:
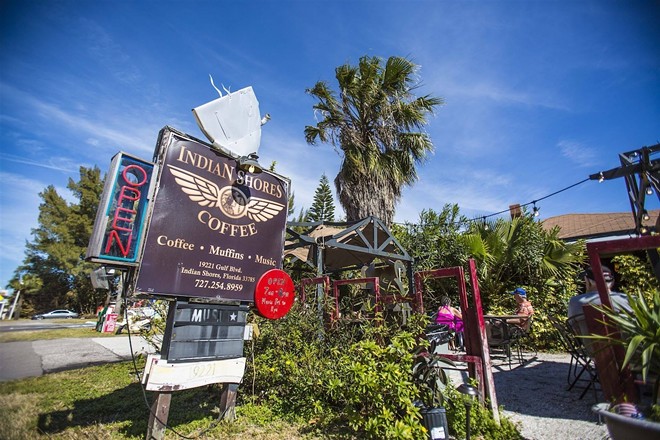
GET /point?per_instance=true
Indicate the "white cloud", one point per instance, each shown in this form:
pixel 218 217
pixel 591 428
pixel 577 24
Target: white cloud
pixel 487 91
pixel 108 129
pixel 578 153
pixel 57 163
pixel 107 52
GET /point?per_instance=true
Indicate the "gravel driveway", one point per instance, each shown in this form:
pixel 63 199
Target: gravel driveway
pixel 534 395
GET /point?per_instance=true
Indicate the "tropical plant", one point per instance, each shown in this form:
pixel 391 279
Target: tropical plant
pixel 429 375
pixel 636 275
pixel 336 375
pixel 348 374
pixel 376 122
pixel 639 330
pixel 519 252
pixel 435 239
pixel 509 254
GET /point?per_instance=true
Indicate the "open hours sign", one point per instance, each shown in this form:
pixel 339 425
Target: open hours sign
pixel 274 294
pixel 214 229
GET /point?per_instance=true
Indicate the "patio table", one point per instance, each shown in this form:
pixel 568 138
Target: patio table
pixel 501 335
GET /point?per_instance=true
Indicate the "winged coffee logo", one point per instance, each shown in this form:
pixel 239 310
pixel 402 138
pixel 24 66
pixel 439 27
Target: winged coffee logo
pixel 230 200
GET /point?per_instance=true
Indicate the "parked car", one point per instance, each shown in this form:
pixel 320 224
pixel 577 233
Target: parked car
pixel 61 314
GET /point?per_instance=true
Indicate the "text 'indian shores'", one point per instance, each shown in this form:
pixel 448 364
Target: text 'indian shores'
pixel 234 200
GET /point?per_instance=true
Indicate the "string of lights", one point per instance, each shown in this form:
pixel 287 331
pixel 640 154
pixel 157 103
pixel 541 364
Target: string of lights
pixel 533 202
pixel 638 162
pixel 535 211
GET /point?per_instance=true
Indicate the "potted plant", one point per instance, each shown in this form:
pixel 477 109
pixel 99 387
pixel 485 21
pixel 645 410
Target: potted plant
pixel 431 379
pixel 640 336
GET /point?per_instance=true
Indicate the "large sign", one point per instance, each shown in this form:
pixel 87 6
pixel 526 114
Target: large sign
pixel 214 229
pixel 120 218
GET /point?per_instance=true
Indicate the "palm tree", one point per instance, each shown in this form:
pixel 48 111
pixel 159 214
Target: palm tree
pixel 519 252
pixel 376 121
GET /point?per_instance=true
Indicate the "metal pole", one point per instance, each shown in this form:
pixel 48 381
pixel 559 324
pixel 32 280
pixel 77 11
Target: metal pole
pixel 320 297
pixel 468 407
pixel 13 306
pixel 120 292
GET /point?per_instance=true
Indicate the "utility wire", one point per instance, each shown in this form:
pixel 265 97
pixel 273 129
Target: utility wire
pixel 557 192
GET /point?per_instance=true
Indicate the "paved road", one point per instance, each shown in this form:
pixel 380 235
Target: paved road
pixel 19 360
pixel 17 326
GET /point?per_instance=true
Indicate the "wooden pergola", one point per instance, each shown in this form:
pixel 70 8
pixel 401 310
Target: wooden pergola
pixel 332 247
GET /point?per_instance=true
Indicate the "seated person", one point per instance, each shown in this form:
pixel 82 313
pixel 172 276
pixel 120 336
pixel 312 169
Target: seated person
pixel 450 317
pixel 524 308
pixel 592 297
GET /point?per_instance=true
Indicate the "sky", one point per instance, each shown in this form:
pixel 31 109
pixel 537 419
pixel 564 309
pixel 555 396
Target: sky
pixel 538 95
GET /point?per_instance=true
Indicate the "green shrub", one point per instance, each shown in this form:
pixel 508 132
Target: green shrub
pixel 636 276
pixel 482 423
pixel 355 376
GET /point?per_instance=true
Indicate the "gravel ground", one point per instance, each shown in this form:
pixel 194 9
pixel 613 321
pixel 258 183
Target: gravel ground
pixel 535 395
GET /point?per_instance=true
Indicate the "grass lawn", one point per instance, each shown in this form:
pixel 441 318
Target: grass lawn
pixel 35 335
pixel 108 402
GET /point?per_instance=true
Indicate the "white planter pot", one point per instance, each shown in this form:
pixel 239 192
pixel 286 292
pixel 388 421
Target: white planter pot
pixel 622 427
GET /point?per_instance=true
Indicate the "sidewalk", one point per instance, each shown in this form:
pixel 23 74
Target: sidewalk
pixel 19 360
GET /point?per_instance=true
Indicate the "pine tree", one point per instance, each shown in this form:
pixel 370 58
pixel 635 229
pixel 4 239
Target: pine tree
pixel 56 254
pixel 323 208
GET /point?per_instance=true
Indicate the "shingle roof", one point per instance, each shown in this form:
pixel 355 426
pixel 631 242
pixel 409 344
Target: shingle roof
pixel 575 226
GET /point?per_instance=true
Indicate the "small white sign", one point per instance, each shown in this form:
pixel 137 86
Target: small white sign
pixel 438 433
pixel 159 375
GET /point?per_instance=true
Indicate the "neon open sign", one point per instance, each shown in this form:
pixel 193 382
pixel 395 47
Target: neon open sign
pixel 119 225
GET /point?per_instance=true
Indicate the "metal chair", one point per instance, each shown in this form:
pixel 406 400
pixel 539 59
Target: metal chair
pixel 581 361
pixel 437 335
pixel 499 338
pixel 520 336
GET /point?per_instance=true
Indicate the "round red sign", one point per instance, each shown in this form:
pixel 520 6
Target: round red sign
pixel 274 294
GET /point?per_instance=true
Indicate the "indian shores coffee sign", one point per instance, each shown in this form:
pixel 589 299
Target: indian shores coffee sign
pixel 214 229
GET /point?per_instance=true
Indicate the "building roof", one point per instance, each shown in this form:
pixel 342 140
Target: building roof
pixel 589 226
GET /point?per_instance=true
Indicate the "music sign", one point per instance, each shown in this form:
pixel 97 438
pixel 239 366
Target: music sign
pixel 214 229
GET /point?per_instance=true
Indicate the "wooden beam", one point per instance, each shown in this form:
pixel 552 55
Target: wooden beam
pixel 160 411
pixel 228 401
